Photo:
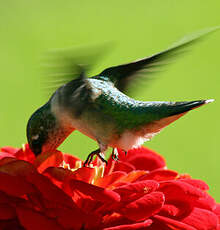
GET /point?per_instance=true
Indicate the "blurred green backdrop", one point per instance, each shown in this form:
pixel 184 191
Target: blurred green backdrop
pixel 30 28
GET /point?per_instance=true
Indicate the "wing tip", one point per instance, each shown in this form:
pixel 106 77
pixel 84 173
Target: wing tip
pixel 209 101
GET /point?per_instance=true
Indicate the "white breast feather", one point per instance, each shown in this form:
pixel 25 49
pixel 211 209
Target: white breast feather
pixel 130 140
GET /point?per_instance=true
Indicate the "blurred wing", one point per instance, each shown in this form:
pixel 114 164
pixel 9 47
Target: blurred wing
pixel 124 75
pixel 64 65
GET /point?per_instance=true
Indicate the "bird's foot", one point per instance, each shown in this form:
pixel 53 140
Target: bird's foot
pixel 92 154
pixel 115 154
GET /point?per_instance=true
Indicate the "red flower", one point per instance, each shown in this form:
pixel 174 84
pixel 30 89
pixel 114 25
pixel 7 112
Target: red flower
pixel 54 192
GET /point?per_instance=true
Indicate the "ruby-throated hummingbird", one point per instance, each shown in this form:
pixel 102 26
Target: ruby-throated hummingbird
pixel 99 107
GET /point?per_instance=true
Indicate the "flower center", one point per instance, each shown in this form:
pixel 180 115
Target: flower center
pixel 99 170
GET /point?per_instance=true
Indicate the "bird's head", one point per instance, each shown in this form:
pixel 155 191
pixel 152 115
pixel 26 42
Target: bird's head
pixel 40 129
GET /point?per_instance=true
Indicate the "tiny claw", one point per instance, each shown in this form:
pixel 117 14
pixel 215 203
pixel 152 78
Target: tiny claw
pixel 92 154
pixel 115 158
pixel 105 161
pixel 90 157
pixel 115 155
pixel 101 157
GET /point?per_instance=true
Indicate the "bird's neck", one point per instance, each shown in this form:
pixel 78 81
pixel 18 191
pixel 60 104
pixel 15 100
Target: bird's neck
pixel 56 138
pixel 59 130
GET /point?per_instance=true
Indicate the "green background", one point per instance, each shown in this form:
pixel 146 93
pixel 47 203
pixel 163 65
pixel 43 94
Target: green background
pixel 139 28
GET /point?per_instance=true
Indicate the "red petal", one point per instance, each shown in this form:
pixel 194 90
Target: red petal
pixel 147 186
pixel 176 209
pixel 10 224
pixel 109 179
pixel 178 190
pixel 4 154
pixel 14 185
pixel 95 192
pixel 58 173
pixel 25 153
pixel 61 174
pixel 206 202
pixel 145 159
pixel 196 183
pixel 46 160
pixel 123 166
pixel 109 167
pixel 33 220
pixel 9 149
pixel 16 167
pixel 7 160
pixel 202 219
pixel 11 200
pixel 160 175
pixel 173 224
pixel 49 191
pixel 114 219
pixel 6 212
pixel 69 218
pixel 4 199
pixel 169 210
pixel 133 176
pixel 144 207
pixel 141 225
pixel 217 210
pixel 85 174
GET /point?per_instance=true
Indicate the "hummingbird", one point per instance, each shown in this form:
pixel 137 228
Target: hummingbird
pixel 100 107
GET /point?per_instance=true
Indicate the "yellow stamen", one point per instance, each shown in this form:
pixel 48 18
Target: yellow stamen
pixel 23 147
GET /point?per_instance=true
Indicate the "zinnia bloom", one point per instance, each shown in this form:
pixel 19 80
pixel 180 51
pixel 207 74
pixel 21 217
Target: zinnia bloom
pixel 54 192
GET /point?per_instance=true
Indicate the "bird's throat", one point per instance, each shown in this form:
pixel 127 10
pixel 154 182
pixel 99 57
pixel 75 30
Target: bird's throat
pixel 56 138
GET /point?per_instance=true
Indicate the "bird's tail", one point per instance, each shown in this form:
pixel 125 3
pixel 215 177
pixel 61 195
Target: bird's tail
pixel 175 108
pixel 164 113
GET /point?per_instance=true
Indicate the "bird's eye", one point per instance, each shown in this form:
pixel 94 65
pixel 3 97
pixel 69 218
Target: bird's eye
pixel 35 137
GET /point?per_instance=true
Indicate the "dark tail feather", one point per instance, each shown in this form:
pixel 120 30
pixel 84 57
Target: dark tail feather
pixel 168 112
pixel 182 107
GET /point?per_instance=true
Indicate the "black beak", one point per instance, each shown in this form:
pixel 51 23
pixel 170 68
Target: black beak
pixel 36 150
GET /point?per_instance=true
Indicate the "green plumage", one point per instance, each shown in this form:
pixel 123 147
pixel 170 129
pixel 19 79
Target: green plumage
pixel 127 113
